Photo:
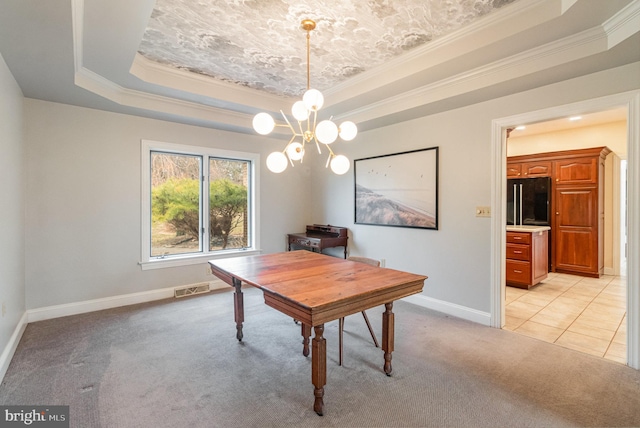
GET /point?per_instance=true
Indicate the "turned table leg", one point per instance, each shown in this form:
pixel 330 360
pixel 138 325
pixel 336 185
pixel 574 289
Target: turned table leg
pixel 319 368
pixel 306 333
pixel 387 336
pixel 238 307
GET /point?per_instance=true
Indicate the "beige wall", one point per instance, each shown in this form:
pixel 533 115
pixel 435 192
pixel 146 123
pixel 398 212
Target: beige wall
pixel 612 135
pixel 83 201
pixel 12 226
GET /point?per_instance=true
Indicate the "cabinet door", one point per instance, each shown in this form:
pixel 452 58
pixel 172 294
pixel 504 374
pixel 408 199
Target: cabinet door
pixel 576 171
pixel 536 169
pixel 513 170
pixel 576 230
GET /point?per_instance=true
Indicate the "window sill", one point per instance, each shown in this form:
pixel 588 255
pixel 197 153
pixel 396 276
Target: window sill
pixel 177 261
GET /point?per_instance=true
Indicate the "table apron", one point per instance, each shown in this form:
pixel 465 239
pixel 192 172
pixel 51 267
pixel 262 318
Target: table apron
pixel 318 316
pixel 221 274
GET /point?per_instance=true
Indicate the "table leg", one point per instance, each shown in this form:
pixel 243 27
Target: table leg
pixel 238 307
pixel 319 368
pixel 306 332
pixel 387 336
pixel 340 337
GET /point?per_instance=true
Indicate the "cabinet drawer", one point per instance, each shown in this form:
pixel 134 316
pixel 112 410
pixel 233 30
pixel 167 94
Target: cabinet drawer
pixel 518 238
pixel 304 242
pixel 519 252
pixel 519 272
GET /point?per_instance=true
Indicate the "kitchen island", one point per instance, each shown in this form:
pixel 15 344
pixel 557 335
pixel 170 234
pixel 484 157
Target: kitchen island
pixel 527 255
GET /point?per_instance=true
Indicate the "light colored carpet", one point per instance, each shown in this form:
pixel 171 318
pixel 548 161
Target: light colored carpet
pixel 176 363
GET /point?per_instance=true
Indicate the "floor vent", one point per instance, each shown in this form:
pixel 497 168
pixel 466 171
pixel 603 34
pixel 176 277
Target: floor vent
pixel 190 290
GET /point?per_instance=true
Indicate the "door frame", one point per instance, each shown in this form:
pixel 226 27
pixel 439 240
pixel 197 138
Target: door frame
pixel 631 101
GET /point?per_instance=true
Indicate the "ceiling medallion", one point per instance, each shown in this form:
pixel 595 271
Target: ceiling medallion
pixel 309 130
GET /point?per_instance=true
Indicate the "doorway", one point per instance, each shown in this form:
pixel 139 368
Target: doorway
pixel 622 249
pixel 630 101
pixel 576 312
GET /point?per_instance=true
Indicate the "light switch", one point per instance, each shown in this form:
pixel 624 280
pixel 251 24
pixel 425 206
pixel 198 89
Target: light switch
pixel 483 211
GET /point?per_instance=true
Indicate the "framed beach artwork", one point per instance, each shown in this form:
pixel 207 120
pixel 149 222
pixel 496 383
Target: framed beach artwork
pixel 399 189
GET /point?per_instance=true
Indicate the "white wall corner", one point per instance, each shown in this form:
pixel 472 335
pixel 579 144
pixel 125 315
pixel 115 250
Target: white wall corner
pixel 10 349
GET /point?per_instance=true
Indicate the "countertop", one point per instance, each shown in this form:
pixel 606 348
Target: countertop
pixel 530 229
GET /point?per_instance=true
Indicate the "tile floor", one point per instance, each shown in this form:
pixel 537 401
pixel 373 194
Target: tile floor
pixel 584 314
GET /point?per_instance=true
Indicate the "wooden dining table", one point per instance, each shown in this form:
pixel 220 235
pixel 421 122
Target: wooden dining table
pixel 314 289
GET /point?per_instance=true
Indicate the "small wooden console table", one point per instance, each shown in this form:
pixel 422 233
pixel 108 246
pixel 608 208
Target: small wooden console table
pixel 320 236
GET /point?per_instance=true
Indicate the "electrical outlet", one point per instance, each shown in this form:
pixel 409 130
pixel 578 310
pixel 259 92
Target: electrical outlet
pixel 4 309
pixel 483 211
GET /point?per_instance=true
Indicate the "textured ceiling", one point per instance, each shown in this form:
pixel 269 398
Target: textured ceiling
pixel 259 43
pixel 85 53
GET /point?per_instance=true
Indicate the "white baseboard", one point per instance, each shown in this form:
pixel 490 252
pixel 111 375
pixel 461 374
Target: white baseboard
pixel 50 312
pixel 10 349
pixel 452 309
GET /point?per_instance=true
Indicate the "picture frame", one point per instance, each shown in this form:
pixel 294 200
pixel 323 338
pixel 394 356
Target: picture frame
pixel 399 189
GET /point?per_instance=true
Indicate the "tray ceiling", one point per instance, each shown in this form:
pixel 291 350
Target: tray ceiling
pixel 217 63
pixel 259 44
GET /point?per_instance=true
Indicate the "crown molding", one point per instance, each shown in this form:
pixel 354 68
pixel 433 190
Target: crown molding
pixel 623 24
pixel 77 20
pixel 586 43
pixel 489 29
pixel 198 84
pixel 99 85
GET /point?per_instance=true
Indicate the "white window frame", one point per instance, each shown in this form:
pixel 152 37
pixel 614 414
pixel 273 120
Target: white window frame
pixel 149 262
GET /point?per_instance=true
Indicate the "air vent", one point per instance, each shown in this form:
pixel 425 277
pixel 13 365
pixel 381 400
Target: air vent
pixel 190 290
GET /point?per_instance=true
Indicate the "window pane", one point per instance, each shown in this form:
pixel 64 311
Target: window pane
pixel 228 211
pixel 175 204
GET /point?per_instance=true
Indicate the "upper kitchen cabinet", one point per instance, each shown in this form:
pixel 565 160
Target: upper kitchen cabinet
pixel 534 168
pixel 578 171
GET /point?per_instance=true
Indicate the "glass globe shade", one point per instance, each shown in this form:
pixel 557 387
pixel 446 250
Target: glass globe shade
pixel 299 111
pixel 263 123
pixel 348 130
pixel 326 132
pixel 295 151
pixel 277 162
pixel 340 164
pixel 313 99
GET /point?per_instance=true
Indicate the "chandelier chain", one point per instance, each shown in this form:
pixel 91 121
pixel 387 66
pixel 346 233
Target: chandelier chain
pixel 308 60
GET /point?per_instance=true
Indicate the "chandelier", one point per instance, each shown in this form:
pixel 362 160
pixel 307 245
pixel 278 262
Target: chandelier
pixel 308 130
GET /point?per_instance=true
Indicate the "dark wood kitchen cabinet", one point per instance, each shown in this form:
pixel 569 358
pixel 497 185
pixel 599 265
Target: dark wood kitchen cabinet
pixel 527 257
pixel 541 168
pixel 577 205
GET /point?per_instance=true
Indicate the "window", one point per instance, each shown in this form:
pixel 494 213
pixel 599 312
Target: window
pixel 197 203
